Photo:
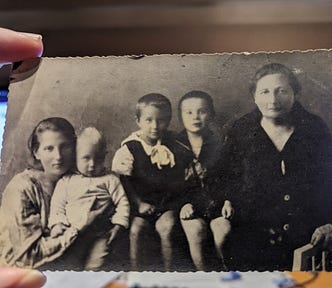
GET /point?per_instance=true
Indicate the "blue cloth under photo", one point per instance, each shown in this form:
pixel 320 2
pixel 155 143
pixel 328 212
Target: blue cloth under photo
pixel 3 109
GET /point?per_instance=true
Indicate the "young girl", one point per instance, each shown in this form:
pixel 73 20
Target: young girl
pixel 149 171
pixel 91 198
pixel 206 209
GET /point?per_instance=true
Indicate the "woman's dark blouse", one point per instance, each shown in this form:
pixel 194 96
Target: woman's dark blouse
pixel 279 197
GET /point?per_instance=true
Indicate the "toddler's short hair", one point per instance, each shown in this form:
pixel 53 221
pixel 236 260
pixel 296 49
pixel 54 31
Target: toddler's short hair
pixel 157 100
pixel 95 137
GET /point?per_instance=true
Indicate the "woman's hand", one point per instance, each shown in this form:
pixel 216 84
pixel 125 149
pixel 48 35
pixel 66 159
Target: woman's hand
pixel 323 235
pixel 187 212
pixel 227 210
pixel 21 278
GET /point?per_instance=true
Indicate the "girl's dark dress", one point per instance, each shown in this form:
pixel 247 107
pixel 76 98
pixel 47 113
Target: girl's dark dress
pixel 203 175
pixel 279 197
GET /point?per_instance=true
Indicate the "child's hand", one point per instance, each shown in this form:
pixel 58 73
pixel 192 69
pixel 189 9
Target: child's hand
pixel 227 210
pixel 114 233
pixel 187 212
pixel 146 209
pixel 58 229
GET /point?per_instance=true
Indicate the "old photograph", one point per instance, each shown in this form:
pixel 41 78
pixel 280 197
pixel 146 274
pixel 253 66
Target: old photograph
pixel 169 163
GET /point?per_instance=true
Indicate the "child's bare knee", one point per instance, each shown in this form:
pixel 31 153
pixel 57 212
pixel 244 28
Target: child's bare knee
pixel 138 226
pixel 164 228
pixel 165 225
pixel 195 230
pixel 221 226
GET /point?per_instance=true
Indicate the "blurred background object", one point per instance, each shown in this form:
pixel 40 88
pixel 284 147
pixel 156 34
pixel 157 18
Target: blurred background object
pixel 120 27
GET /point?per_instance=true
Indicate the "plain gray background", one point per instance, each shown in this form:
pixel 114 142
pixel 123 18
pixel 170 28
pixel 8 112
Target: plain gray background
pixel 102 92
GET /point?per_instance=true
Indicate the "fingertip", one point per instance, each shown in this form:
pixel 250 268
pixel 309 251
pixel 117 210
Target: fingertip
pixel 21 278
pixel 17 46
pixel 33 279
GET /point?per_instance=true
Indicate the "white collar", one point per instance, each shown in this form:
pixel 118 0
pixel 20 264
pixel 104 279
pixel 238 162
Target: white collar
pixel 136 136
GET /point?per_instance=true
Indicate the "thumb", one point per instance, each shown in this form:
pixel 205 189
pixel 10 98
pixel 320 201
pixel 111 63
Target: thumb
pixel 21 278
pixel 223 212
pixel 226 214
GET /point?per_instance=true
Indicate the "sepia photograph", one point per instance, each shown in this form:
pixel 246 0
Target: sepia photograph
pixel 214 162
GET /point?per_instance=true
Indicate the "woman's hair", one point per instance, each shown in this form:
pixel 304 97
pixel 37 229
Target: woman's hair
pixel 157 100
pixel 198 95
pixel 93 136
pixel 275 68
pixel 55 124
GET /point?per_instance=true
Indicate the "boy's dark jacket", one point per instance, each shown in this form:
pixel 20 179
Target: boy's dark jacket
pixel 159 187
pixel 204 192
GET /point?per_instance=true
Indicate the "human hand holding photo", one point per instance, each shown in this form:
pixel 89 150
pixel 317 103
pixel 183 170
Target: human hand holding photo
pixel 17 46
pixel 21 278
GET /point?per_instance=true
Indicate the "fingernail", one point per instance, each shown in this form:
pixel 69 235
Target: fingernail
pixel 33 278
pixel 37 37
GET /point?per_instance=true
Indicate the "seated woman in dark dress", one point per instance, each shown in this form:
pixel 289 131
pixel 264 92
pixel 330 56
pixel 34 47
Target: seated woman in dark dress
pixel 280 158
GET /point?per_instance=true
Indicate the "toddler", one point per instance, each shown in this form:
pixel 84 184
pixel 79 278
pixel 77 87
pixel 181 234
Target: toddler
pixel 91 200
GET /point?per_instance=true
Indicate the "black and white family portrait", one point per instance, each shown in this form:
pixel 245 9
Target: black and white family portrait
pixel 169 163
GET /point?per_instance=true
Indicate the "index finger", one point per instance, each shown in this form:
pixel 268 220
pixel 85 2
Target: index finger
pixel 16 46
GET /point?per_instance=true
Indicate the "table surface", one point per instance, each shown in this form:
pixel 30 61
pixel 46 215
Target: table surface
pixel 324 279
